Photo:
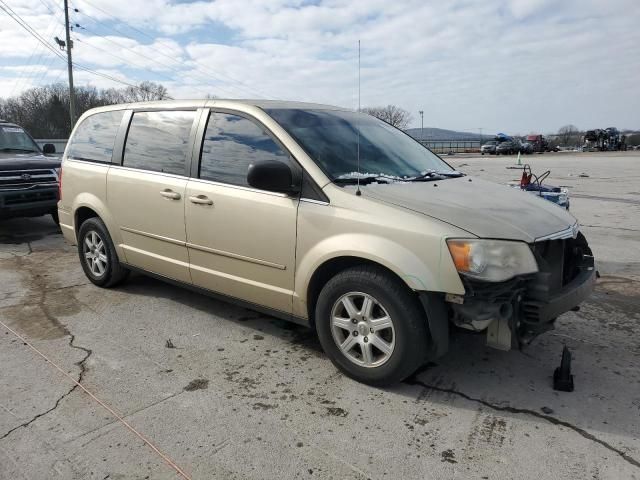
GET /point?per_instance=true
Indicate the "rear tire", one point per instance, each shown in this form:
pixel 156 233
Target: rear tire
pixel 98 256
pixel 371 326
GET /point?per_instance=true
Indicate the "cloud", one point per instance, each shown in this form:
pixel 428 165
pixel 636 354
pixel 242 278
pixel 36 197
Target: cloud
pixel 507 65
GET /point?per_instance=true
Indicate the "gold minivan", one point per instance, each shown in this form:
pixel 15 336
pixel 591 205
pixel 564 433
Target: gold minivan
pixel 323 216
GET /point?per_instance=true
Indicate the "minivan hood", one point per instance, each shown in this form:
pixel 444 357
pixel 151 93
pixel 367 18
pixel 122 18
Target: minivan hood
pixel 485 209
pixel 27 161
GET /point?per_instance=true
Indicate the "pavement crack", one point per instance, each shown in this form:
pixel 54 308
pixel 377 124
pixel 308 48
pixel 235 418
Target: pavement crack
pixel 83 369
pixel 525 411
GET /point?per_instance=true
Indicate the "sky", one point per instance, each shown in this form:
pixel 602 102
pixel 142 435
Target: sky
pixel 515 66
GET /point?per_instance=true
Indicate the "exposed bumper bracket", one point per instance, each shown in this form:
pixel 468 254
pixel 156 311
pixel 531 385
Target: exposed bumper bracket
pixel 499 334
pixel 437 322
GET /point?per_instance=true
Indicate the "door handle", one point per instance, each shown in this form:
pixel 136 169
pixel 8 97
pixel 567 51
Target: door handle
pixel 201 200
pixel 168 193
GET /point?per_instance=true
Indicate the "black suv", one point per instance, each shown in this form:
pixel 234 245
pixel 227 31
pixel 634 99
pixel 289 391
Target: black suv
pixel 28 178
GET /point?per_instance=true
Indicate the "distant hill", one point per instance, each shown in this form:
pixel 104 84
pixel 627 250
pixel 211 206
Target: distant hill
pixel 439 134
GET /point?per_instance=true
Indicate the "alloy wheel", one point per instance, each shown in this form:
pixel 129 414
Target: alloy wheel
pixel 95 253
pixel 362 329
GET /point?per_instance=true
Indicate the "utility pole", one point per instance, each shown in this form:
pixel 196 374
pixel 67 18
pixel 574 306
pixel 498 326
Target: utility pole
pixel 421 112
pixel 72 96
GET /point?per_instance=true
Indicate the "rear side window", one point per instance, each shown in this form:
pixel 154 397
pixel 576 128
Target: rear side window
pixel 159 141
pixel 232 143
pixel 95 136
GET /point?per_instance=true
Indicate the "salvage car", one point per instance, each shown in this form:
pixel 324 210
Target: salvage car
pixel 526 148
pixel 322 216
pixel 489 147
pixel 28 177
pixel 508 147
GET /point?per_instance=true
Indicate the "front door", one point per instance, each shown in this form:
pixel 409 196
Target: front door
pixel 147 193
pixel 241 241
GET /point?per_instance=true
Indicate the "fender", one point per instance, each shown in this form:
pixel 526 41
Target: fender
pixel 89 200
pixel 413 270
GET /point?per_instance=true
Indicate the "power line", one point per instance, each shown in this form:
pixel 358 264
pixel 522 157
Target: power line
pixel 128 61
pixel 27 27
pixel 121 33
pixel 113 79
pixel 51 58
pixel 25 75
pixel 39 38
pixel 218 74
pixel 149 46
pixel 48 7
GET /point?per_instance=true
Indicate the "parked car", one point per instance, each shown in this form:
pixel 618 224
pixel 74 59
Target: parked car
pixel 489 147
pixel 28 178
pixel 526 147
pixel 372 240
pixel 507 148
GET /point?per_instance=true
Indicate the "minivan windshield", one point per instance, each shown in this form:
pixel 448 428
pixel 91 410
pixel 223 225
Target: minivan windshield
pixel 15 139
pixel 330 138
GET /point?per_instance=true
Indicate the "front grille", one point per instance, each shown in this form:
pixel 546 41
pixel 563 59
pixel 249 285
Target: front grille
pixel 22 179
pixel 493 292
pixel 561 259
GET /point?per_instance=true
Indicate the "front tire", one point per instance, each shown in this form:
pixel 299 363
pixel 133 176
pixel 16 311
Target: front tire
pixel 98 256
pixel 371 326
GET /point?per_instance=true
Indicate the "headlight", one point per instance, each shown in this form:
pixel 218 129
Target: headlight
pixel 492 260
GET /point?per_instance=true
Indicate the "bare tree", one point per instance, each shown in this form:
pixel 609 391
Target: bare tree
pixel 391 114
pixel 568 135
pixel 44 111
pixel 145 92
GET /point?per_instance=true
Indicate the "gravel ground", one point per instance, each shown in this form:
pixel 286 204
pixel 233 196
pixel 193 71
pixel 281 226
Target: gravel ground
pixel 242 395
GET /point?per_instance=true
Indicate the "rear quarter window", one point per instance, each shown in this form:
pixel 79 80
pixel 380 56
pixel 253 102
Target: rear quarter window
pixel 94 138
pixel 159 141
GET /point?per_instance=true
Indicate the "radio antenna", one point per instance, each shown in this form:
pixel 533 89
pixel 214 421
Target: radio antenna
pixel 358 192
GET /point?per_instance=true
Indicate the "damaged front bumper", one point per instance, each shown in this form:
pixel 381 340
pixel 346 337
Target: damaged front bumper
pixel 516 311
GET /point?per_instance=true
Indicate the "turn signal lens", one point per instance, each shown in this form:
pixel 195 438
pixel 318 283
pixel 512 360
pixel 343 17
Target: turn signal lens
pixel 461 254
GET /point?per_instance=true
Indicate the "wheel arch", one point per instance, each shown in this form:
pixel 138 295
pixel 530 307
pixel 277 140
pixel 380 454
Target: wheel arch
pixel 87 206
pixel 330 268
pixel 82 214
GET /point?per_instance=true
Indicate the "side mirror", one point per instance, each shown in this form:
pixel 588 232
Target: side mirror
pixel 48 148
pixel 272 176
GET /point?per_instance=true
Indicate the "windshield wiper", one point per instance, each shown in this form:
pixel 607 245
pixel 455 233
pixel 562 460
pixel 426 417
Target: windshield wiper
pixel 452 174
pixel 362 180
pixel 11 149
pixel 432 175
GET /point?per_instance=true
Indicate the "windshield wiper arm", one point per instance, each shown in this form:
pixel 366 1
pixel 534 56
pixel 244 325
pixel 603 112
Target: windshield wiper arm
pixel 11 149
